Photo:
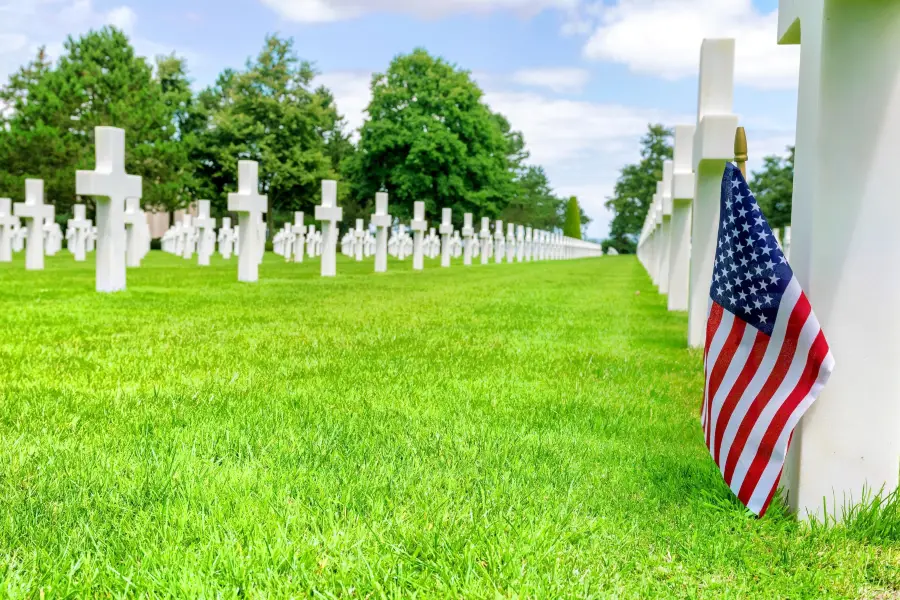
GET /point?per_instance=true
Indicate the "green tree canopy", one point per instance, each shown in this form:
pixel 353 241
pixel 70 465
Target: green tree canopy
pixel 635 189
pixel 572 227
pixel 430 137
pixel 773 187
pixel 53 110
pixel 534 203
pixel 270 113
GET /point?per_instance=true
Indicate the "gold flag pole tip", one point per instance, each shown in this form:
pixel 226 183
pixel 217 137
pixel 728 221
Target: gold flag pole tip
pixel 740 150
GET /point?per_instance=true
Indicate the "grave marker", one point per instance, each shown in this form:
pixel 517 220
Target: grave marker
pixel 682 192
pixel 382 222
pixel 468 233
pixel 330 214
pixel 665 197
pixel 206 226
pixel 845 248
pixel 226 238
pixel 249 206
pixel 713 147
pixel 485 235
pixel 418 225
pixel 132 219
pixel 499 241
pixel 446 232
pixel 8 224
pixel 111 185
pixel 34 212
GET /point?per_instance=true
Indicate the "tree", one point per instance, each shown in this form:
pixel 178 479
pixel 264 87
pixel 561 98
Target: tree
pixel 270 113
pixel 430 137
pixel 774 188
pixel 534 203
pixel 635 189
pixel 572 226
pixel 53 110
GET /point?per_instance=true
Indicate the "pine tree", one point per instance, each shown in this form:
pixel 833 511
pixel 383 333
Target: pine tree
pixel 572 228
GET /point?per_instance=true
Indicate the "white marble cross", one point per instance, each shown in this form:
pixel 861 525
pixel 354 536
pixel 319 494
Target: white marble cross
pixel 330 214
pixel 206 226
pixel 81 226
pixel 34 212
pixel 311 241
pixel 456 245
pixel 418 225
pixel 359 235
pixel 382 221
pixel 446 231
pixel 846 450
pixel 468 233
pixel 111 185
pixel 499 243
pixel 510 242
pixel 713 147
pixel 250 206
pixel 529 244
pixel 188 233
pixel 133 231
pixel 226 238
pixel 485 235
pixel 299 230
pixel 682 192
pixel 7 224
pixel 520 243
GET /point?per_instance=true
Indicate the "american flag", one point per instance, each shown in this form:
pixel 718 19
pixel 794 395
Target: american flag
pixel 766 358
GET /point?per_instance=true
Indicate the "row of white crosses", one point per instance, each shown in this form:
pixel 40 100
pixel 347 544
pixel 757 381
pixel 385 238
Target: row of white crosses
pixel 41 236
pixel 123 236
pixel 842 240
pixel 121 233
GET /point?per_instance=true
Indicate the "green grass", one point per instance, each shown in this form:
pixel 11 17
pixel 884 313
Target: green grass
pixel 515 430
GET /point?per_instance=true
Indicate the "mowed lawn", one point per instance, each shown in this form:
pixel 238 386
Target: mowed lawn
pixel 525 430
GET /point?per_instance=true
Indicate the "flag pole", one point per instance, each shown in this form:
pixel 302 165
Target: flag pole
pixel 740 150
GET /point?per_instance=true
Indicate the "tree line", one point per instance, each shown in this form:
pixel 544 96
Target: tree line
pixel 428 136
pixel 773 187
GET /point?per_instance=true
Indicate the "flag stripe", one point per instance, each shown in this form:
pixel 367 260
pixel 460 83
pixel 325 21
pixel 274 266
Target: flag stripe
pixel 773 382
pixel 712 325
pixel 769 442
pixel 754 356
pixel 772 473
pixel 715 347
pixel 765 368
pixel 796 365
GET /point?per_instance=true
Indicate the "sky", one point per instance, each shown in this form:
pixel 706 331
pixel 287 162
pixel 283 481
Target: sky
pixel 580 78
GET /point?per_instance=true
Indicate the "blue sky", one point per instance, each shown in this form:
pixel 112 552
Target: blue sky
pixel 580 78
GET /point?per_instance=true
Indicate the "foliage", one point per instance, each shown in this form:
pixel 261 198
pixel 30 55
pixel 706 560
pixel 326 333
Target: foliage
pixel 572 226
pixel 534 203
pixel 773 188
pixel 53 110
pixel 430 137
pixel 270 113
pixel 524 430
pixel 635 189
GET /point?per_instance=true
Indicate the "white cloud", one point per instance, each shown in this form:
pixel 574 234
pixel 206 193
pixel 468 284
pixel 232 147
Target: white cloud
pixel 559 130
pixel 122 17
pixel 26 25
pixel 321 11
pixel 352 93
pixel 663 37
pixel 562 79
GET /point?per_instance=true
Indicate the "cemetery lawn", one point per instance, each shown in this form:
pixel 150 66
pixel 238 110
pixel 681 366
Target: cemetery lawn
pixel 514 430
